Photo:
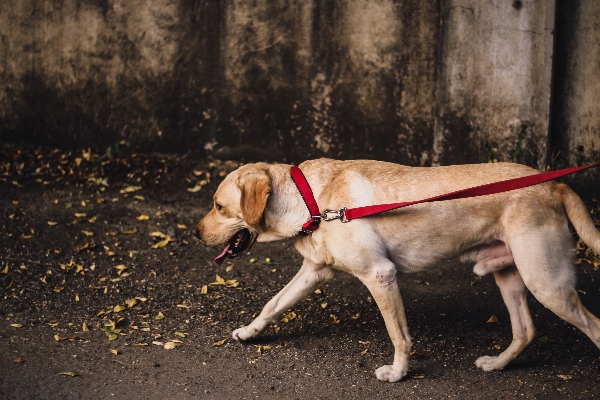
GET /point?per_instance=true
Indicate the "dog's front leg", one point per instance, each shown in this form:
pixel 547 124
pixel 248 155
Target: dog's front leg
pixel 309 276
pixel 381 282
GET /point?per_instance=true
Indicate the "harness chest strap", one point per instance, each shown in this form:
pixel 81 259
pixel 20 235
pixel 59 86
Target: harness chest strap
pixel 346 215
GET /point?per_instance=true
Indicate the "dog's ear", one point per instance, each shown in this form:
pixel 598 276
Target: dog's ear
pixel 256 189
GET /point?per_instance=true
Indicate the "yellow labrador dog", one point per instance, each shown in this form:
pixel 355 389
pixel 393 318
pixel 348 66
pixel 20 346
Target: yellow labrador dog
pixel 521 236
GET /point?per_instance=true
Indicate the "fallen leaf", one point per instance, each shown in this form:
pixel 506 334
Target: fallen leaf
pixel 140 198
pixel 181 226
pixel 323 305
pixel 335 319
pixel 493 318
pixel 565 377
pixel 158 343
pixel 163 243
pixel 183 306
pixel 143 218
pixel 52 223
pixel 85 328
pixel 5 270
pixel 76 297
pixel 181 334
pixel 219 343
pixel 362 353
pixel 18 360
pixel 261 348
pixel 159 316
pixel 497 346
pixel 69 373
pixel 115 352
pixel 171 345
pixel 87 233
pixel 318 291
pixel 52 324
pixel 131 302
pixel 418 376
pixel 99 181
pixel 204 289
pixel 130 189
pixel 120 268
pixel 80 215
pixel 130 232
pixel 158 234
pixel 288 317
pixel 119 308
pixel 16 325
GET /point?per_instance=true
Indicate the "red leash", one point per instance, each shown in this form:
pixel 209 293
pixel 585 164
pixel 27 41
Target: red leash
pixel 348 214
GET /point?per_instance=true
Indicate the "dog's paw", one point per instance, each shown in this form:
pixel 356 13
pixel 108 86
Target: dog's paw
pixel 244 333
pixel 487 363
pixel 390 373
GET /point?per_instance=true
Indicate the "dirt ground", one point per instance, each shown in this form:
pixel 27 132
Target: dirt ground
pixel 105 293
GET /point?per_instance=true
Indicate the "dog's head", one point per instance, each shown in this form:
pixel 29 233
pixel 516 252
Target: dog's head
pixel 238 207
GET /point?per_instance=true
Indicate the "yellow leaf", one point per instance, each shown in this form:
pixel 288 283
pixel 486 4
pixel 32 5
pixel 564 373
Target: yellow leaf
pixel 112 336
pixel 80 215
pixel 183 306
pixel 493 318
pixel 52 223
pixel 26 236
pixel 219 343
pixel 181 334
pixel 119 308
pixel 87 233
pixel 181 226
pixel 204 289
pixel 362 353
pixel 115 352
pixel 58 338
pixel 159 316
pixel 335 319
pixel 158 234
pixel 289 316
pixel 143 218
pixel 68 373
pixel 497 346
pixel 171 345
pixel 418 376
pixel 130 189
pixel 85 328
pixel 142 299
pixel 140 198
pixel 323 305
pixel 163 243
pixel 318 291
pixel 120 268
pixel 131 232
pixel 131 302
pixel 156 342
pixel 76 297
pixel 16 325
pixel 5 270
pixel 53 325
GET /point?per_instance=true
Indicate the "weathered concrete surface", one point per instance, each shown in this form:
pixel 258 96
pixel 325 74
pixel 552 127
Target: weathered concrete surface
pixel 294 78
pixel 312 78
pixel 494 83
pixel 95 71
pixel 575 129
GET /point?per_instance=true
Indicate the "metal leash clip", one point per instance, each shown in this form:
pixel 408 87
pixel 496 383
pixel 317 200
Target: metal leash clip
pixel 339 214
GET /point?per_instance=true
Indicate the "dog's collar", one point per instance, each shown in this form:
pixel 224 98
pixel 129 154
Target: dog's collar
pixel 312 224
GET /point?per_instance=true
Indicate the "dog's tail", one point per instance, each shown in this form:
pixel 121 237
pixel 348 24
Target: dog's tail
pixel 580 217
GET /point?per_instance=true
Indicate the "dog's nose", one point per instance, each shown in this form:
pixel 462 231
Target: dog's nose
pixel 196 232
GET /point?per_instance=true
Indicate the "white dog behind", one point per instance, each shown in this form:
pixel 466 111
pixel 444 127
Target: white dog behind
pixel 522 237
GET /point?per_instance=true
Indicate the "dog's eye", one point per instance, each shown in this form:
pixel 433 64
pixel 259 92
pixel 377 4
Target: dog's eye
pixel 218 206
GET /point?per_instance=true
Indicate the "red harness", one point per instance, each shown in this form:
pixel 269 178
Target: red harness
pixel 347 214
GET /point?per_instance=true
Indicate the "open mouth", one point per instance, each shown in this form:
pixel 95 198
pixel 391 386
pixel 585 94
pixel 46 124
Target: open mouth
pixel 236 246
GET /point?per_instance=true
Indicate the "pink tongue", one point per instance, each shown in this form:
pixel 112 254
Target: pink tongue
pixel 221 257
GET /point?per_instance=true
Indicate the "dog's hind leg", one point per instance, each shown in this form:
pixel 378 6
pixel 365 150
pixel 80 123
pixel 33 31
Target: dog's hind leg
pixel 309 276
pixel 381 282
pixel 514 294
pixel 545 261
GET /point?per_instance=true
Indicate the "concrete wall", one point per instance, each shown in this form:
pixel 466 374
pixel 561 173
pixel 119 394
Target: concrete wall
pixel 494 81
pixel 416 82
pixel 575 122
